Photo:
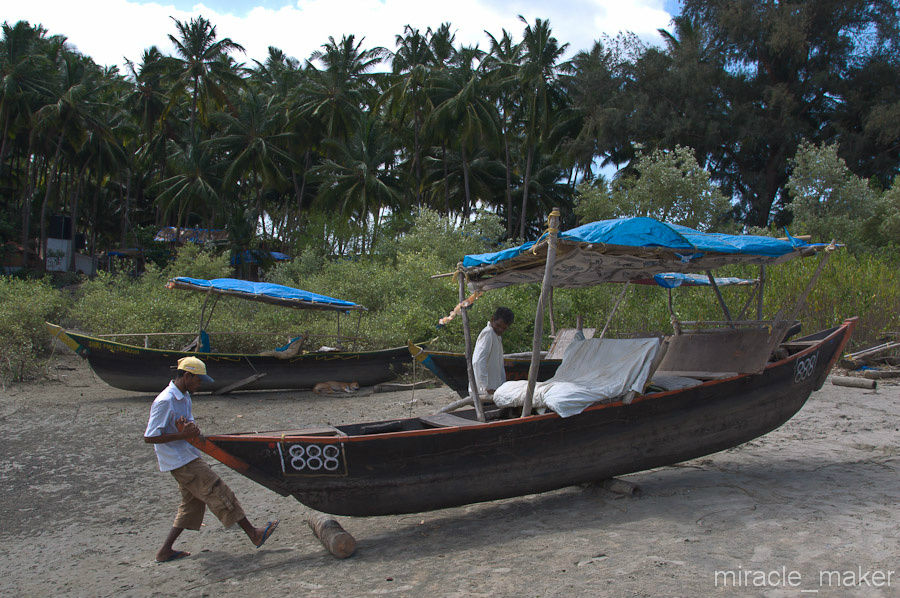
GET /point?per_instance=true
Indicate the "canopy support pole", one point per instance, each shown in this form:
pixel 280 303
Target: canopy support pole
pixel 467 333
pixel 203 310
pixel 612 312
pixel 553 234
pixel 339 344
pixel 778 331
pixel 550 311
pixel 212 308
pixel 801 301
pixel 759 298
pixel 356 334
pixel 673 319
pixel 724 306
pixel 753 291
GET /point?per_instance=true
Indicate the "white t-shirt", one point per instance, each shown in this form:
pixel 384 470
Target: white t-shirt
pixel 487 361
pixel 170 405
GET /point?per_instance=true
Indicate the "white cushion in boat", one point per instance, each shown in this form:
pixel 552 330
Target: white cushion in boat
pixel 592 370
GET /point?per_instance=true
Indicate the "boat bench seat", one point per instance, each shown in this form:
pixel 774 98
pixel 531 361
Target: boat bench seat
pixel 448 420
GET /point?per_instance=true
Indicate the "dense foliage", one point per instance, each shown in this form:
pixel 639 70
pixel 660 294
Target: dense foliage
pixel 405 303
pixel 326 152
pixel 24 307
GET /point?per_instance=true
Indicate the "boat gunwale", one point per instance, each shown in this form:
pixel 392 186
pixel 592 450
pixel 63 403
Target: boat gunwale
pixel 846 328
pixel 103 341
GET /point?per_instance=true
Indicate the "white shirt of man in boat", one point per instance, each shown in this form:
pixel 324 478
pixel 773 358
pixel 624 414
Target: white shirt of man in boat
pixel 487 357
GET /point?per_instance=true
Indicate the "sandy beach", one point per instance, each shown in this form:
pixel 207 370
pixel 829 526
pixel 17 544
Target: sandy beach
pixel 793 513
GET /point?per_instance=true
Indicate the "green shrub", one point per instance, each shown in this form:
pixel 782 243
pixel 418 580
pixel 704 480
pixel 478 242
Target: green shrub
pixel 24 307
pixel 404 303
pixel 113 304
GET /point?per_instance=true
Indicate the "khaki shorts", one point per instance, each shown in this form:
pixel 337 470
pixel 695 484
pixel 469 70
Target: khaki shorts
pixel 201 487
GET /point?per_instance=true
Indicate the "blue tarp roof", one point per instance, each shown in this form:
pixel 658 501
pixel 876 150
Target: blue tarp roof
pixel 264 291
pixel 626 249
pixel 647 232
pixel 671 280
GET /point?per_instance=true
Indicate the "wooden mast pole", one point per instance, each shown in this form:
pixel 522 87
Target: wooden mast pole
pixel 553 234
pixel 467 333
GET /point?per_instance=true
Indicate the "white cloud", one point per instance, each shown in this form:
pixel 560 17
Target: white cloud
pixel 111 30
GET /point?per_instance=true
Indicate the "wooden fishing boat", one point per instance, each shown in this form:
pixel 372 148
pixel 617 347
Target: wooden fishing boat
pixel 143 369
pixel 450 459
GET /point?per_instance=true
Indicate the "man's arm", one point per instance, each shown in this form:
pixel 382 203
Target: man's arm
pixel 186 430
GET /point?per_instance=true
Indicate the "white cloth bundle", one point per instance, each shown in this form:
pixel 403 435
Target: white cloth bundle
pixel 592 370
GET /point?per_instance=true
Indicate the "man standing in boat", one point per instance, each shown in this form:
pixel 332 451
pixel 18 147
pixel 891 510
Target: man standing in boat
pixel 170 426
pixel 487 358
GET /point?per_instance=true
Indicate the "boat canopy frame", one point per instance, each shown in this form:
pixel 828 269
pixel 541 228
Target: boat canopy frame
pixel 270 293
pixel 625 250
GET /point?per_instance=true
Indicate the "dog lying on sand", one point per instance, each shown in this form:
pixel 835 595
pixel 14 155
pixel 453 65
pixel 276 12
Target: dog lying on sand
pixel 331 386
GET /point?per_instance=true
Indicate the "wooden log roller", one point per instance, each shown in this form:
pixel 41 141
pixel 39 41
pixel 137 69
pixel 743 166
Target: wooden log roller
pixel 333 537
pixel 853 382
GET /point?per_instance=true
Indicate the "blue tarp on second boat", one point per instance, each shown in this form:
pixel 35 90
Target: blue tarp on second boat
pixel 626 249
pixel 672 280
pixel 261 291
pixel 648 233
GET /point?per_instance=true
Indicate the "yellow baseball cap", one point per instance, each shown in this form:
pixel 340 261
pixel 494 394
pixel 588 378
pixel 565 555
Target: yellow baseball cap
pixel 195 366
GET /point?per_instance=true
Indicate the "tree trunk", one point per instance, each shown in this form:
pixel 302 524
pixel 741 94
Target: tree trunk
pixel 465 166
pixel 92 247
pixel 446 181
pixel 526 183
pixel 51 180
pixel 26 212
pixel 3 144
pixel 509 221
pixel 417 159
pixel 126 209
pixel 73 206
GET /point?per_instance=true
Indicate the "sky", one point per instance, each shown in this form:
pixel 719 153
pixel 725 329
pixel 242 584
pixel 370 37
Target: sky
pixel 110 31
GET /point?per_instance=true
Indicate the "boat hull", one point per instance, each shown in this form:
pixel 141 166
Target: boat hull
pixel 140 369
pixel 416 469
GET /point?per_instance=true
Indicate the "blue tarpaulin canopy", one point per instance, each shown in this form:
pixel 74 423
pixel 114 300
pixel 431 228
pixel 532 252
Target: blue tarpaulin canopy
pixel 266 292
pixel 672 280
pixel 626 249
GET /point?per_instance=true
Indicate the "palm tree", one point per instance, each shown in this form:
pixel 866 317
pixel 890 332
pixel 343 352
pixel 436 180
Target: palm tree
pixel 279 74
pixel 466 108
pixel 202 71
pixel 538 77
pixel 357 180
pixel 68 119
pixel 338 94
pixel 147 99
pixel 25 73
pixel 101 158
pixel 253 144
pixel 409 99
pixel 502 64
pixel 195 182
